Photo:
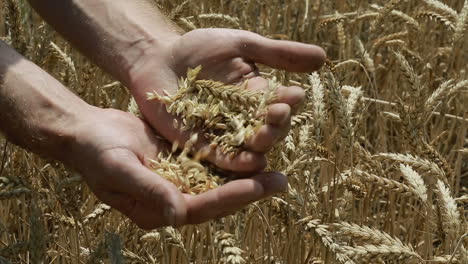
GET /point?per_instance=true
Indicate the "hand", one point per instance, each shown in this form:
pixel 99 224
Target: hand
pixel 110 149
pixel 228 56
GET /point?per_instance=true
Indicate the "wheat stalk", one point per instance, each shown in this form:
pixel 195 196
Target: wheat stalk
pixel 442 7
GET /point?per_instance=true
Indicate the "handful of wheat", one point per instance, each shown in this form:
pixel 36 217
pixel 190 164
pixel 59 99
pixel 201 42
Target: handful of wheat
pixel 226 115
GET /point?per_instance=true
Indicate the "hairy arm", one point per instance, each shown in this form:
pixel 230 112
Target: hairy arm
pixel 36 111
pixel 115 34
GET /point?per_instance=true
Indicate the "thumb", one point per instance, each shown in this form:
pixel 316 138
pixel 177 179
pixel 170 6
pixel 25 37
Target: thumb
pixel 157 201
pixel 281 54
pixel 233 196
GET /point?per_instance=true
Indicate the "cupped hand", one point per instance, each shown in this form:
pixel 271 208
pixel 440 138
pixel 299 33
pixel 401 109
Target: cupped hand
pixel 110 149
pixel 229 56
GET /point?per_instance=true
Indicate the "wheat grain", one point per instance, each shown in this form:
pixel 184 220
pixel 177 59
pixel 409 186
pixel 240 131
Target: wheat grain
pixel 417 162
pixel 366 253
pixel 100 210
pixel 365 234
pixel 230 253
pixel 324 234
pixel 438 18
pixel 442 7
pixel 451 216
pixel 415 181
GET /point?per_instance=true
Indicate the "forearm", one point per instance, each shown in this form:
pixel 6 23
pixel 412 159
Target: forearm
pixel 115 34
pixel 36 111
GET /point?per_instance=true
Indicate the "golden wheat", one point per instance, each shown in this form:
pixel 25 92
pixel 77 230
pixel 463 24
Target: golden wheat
pixel 376 157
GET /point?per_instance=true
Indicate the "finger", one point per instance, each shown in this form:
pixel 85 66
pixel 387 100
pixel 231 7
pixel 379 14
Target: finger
pixel 234 71
pixel 278 123
pixel 233 195
pixel 246 161
pixel 278 115
pixel 291 95
pixel 281 54
pixel 155 201
pixel 264 139
pixel 158 202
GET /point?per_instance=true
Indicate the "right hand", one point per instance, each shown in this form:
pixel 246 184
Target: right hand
pixel 229 56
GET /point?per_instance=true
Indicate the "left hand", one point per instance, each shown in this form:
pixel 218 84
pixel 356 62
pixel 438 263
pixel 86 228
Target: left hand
pixel 228 56
pixel 111 148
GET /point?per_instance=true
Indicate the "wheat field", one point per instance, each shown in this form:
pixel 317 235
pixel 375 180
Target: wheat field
pixel 377 158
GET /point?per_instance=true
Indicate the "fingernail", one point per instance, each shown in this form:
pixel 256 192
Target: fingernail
pixel 169 214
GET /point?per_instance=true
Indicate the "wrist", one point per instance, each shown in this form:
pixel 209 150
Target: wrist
pixel 141 58
pixel 59 130
pixel 36 111
pixel 152 57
